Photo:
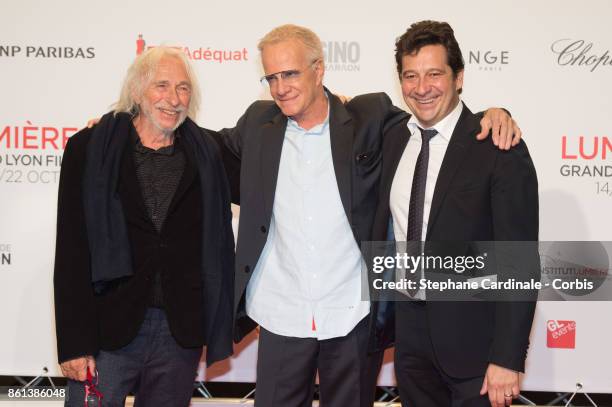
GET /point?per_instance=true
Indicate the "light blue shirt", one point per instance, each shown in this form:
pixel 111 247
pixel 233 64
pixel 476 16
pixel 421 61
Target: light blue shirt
pixel 307 282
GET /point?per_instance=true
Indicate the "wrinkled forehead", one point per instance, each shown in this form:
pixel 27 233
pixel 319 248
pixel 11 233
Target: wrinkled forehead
pixel 168 68
pixel 283 55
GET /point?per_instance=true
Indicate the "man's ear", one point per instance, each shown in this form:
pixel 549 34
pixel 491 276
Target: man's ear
pixel 136 98
pixel 459 81
pixel 320 70
pixel 136 92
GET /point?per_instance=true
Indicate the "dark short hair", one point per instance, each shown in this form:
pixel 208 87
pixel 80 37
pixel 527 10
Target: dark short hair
pixel 429 33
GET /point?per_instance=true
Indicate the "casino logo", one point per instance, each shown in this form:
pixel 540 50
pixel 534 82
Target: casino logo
pixel 206 54
pixel 561 334
pixel 342 56
pixel 489 60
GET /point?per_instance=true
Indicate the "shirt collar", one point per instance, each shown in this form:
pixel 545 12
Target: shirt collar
pixel 317 130
pixel 139 147
pixel 444 127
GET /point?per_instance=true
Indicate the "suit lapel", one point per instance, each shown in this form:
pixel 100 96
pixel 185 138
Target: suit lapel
pixel 129 187
pixel 394 146
pixel 463 137
pixel 273 134
pixel 341 131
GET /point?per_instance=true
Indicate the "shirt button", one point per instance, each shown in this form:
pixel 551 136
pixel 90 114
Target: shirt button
pixel 247 269
pixel 263 229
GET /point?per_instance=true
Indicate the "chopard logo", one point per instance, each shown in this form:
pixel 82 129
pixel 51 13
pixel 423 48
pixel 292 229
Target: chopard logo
pixel 572 52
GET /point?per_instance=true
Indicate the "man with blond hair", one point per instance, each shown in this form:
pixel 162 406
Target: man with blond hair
pixel 309 168
pixel 144 255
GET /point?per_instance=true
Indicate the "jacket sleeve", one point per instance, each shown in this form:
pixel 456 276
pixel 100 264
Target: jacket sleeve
pixel 75 312
pixel 230 141
pixel 514 195
pixel 231 161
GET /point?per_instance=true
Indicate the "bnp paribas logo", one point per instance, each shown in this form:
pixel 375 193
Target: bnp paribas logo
pixel 344 56
pixel 489 60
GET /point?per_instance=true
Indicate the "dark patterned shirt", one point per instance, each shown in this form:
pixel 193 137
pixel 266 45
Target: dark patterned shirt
pixel 159 173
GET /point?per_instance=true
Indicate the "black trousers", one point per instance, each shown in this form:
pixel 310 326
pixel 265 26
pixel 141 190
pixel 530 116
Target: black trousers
pixel 153 366
pixel 287 369
pixel 420 379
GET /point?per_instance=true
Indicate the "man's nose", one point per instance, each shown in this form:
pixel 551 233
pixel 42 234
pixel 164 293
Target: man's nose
pixel 423 86
pixel 281 86
pixel 173 97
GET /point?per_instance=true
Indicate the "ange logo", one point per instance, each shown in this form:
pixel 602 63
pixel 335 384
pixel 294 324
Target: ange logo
pixel 5 254
pixel 489 60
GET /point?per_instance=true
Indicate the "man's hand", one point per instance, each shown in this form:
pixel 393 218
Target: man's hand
pixel 76 369
pixel 93 122
pixel 344 99
pixel 502 385
pixel 506 132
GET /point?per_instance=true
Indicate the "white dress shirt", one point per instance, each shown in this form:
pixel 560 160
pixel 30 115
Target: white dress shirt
pixel 402 181
pixel 307 282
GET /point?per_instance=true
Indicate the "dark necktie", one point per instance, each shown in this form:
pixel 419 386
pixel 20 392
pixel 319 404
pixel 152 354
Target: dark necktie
pixel 417 193
pixel 417 205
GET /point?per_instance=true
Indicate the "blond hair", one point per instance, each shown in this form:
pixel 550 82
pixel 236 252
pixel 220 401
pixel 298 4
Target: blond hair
pixel 295 32
pixel 140 74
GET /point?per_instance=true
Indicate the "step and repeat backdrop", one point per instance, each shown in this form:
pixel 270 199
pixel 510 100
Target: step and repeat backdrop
pixel 548 62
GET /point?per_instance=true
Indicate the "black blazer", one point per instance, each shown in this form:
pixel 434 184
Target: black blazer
pixel 85 322
pixel 255 146
pixel 482 194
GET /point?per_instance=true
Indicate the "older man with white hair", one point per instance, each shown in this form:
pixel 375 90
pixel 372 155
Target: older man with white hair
pixel 144 256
